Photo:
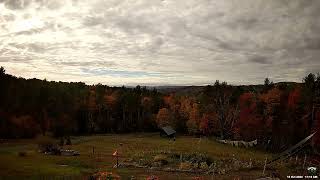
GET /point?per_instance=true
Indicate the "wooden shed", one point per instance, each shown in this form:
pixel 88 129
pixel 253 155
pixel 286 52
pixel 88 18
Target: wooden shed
pixel 167 132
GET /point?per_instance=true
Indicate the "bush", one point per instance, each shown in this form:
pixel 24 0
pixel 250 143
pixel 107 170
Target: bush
pixel 24 126
pixel 195 165
pixel 204 166
pixel 68 141
pixel 45 143
pixel 197 158
pixel 161 158
pixel 105 175
pixel 185 166
pixel 61 142
pixel 22 154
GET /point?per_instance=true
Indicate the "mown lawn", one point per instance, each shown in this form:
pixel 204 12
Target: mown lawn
pixel 36 165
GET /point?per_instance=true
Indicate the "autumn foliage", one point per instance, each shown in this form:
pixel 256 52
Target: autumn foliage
pixel 164 117
pixel 284 111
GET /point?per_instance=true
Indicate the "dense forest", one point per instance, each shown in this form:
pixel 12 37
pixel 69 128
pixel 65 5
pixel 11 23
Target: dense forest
pixel 276 114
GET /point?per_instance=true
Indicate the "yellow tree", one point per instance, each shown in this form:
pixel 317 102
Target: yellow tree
pixel 164 117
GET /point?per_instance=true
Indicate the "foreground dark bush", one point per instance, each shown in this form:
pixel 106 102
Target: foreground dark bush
pixel 46 144
pixel 22 154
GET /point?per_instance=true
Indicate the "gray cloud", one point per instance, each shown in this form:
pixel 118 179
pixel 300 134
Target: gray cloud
pixel 9 17
pixel 246 23
pixel 103 64
pixel 259 60
pixel 312 43
pixel 22 4
pixel 153 41
pixel 15 4
pixel 93 21
pixel 50 4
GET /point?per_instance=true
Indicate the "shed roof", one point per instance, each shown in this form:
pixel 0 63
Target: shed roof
pixel 168 130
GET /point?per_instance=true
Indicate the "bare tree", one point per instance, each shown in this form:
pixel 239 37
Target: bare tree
pixel 221 98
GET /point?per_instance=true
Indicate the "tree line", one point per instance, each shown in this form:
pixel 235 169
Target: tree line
pixel 276 114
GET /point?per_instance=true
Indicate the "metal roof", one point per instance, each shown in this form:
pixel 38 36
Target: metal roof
pixel 168 130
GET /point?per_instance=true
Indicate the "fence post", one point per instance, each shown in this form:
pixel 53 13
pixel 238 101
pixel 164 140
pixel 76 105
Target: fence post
pixel 265 165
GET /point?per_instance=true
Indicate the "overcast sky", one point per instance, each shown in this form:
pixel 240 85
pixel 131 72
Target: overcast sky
pixel 160 42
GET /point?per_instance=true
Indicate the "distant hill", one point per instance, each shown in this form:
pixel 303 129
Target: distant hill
pixel 182 90
pixel 192 90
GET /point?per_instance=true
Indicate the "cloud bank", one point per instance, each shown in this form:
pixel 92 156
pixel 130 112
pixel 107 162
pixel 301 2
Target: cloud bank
pixel 160 42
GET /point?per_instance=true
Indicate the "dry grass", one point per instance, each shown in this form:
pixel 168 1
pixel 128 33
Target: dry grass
pixel 143 146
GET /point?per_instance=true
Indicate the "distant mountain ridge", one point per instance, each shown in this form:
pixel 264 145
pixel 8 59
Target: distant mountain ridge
pixel 196 89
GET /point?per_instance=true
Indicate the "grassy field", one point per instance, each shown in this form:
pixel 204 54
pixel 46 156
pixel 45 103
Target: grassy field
pixel 138 147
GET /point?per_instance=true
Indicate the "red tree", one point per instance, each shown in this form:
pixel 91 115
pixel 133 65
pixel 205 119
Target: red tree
pixel 249 122
pixel 293 98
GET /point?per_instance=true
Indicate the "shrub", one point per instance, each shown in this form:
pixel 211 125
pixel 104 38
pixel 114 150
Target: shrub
pixel 45 143
pixel 68 141
pixel 204 165
pixel 197 158
pixel 161 158
pixel 185 166
pixel 105 175
pixel 24 126
pixel 195 165
pixel 22 154
pixel 61 143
